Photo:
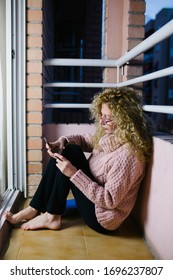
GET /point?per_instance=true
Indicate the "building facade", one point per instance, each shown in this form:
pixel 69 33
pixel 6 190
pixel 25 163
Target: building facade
pixel 159 91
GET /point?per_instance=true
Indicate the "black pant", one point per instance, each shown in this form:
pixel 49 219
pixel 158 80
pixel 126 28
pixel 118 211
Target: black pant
pixel 54 188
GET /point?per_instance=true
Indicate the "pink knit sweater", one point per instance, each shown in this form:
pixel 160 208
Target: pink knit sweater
pixel 118 173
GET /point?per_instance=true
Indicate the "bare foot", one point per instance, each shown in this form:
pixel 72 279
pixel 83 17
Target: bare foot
pixel 25 214
pixel 45 220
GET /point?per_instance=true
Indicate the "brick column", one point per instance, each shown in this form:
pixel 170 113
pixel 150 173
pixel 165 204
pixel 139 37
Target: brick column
pixel 124 29
pixel 136 34
pixel 34 94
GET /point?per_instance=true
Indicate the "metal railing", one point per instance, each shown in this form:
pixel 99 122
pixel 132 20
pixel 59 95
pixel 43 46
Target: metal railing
pixel 163 33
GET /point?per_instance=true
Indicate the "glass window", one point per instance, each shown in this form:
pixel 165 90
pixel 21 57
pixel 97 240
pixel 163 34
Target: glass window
pixel 2 99
pixel 12 99
pixel 170 93
pixel 75 32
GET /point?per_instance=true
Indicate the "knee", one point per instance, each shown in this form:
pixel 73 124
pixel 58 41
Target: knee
pixel 73 152
pixel 72 148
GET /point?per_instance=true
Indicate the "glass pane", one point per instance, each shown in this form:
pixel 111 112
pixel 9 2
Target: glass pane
pixel 3 124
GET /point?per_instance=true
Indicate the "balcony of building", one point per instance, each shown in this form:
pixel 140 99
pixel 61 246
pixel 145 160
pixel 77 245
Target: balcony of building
pixel 147 233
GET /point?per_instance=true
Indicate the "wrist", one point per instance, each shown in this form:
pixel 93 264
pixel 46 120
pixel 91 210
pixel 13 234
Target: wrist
pixel 73 172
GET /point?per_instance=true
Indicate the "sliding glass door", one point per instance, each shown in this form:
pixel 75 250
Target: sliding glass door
pixel 3 137
pixel 12 98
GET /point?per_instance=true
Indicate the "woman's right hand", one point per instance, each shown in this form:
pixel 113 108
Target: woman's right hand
pixel 57 146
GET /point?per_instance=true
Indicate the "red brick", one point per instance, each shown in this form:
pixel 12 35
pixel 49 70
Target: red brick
pixel 34 4
pixel 136 32
pixel 34 54
pixel 34 130
pixel 34 105
pixel 34 168
pixel 136 19
pixel 34 29
pixel 34 92
pixel 34 41
pixel 137 6
pixel 135 71
pixel 34 67
pixel 34 143
pixel 34 80
pixel 34 118
pixel 31 191
pixel 34 180
pixel 34 15
pixel 133 43
pixel 34 155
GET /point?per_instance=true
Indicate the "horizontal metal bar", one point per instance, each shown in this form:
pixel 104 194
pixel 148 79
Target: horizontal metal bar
pixel 80 85
pixel 161 34
pixel 158 74
pixel 158 109
pixel 80 62
pixel 148 108
pixel 148 43
pixel 155 75
pixel 67 105
pixel 158 36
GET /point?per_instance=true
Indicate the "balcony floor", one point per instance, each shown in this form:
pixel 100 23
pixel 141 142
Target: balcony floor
pixel 76 241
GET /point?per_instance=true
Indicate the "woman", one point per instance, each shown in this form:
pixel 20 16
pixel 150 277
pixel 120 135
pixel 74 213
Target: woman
pixel 105 186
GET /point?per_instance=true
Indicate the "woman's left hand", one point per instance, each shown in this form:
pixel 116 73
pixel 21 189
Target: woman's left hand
pixel 64 165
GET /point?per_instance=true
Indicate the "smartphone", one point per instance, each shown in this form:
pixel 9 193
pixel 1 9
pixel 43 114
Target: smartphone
pixel 58 158
pixel 46 141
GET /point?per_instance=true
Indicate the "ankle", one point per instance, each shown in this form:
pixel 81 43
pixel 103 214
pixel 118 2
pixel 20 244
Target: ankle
pixel 53 217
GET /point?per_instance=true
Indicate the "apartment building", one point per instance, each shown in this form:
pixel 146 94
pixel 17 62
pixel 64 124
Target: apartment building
pixel 159 91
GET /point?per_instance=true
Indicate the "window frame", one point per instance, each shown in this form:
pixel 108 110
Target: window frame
pixel 16 103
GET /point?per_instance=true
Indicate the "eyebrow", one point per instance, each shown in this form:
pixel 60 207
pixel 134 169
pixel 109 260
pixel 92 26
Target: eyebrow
pixel 106 116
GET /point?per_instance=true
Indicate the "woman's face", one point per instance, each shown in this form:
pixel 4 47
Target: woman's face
pixel 106 119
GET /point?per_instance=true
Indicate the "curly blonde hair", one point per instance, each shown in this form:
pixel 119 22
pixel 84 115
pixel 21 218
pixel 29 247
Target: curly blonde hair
pixel 132 126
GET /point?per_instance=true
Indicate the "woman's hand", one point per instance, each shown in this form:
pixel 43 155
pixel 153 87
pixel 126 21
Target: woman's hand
pixel 56 146
pixel 65 165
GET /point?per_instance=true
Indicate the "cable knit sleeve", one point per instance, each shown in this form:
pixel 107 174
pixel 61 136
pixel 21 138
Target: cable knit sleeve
pixel 84 141
pixel 124 173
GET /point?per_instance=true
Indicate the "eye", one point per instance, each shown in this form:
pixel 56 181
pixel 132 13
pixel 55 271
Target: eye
pixel 105 118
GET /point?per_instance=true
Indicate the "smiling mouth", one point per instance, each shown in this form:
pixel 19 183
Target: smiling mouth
pixel 105 127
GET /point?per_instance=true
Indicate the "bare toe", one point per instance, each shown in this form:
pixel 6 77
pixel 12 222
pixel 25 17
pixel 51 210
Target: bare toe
pixel 9 217
pixel 23 215
pixel 45 220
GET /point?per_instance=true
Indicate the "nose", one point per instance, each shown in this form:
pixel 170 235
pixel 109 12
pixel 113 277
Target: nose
pixel 102 120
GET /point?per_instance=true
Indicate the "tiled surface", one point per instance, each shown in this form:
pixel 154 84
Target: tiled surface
pixel 75 241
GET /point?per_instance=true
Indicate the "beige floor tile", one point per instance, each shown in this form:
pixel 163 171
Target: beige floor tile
pixel 51 248
pixel 72 225
pixel 14 245
pixel 124 243
pixel 91 233
pixel 116 248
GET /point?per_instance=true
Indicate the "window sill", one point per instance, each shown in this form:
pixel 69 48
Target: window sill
pixel 13 204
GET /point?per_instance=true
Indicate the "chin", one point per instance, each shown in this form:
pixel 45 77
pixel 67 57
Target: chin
pixel 107 131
